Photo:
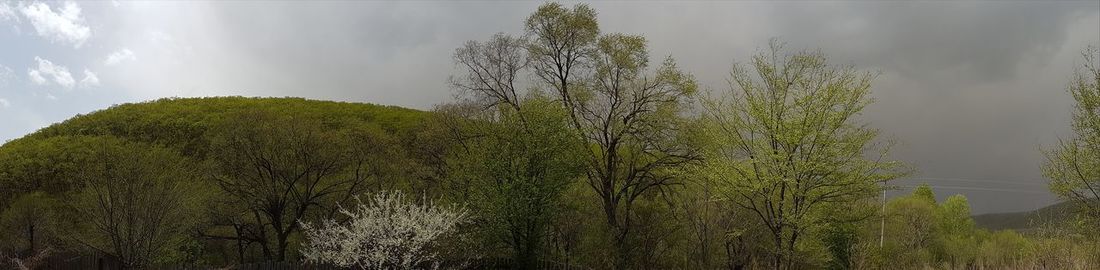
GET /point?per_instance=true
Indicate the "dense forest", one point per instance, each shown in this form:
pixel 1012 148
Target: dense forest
pixel 566 147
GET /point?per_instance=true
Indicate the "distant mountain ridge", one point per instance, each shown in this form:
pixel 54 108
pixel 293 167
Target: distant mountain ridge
pixel 1027 220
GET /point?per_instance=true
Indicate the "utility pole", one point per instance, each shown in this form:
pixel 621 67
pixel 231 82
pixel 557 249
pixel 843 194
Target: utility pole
pixel 882 228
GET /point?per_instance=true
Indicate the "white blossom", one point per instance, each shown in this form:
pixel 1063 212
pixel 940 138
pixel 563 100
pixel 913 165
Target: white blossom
pixel 386 232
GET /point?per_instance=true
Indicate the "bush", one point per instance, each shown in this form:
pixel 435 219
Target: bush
pixel 386 232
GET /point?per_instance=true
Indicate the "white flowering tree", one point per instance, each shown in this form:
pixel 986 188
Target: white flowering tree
pixel 385 232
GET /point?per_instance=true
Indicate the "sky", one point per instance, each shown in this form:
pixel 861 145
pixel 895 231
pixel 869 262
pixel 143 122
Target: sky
pixel 971 91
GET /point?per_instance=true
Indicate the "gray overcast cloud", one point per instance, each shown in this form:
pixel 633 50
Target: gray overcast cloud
pixel 971 90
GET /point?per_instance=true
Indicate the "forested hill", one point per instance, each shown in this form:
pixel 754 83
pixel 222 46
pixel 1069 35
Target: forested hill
pixel 46 160
pixel 1028 220
pixel 182 122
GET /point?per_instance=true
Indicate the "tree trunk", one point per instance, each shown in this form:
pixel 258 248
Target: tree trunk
pixel 283 245
pixel 777 262
pixel 240 248
pixel 30 236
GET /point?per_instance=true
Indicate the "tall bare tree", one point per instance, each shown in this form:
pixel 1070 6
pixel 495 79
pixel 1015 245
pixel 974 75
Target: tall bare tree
pixel 628 116
pixel 493 69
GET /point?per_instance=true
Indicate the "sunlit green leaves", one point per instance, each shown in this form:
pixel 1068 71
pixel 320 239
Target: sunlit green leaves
pixel 786 143
pixel 1073 167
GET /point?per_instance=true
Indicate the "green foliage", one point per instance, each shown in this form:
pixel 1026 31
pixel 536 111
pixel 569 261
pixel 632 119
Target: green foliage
pixel 955 215
pixel 910 230
pixel 30 223
pixel 1004 249
pixel 182 123
pixel 923 234
pixel 1073 167
pixel 925 194
pixel 521 162
pixel 52 160
pixel 31 165
pixel 788 147
pixel 631 120
pixel 933 234
pixel 562 38
pixel 136 201
pixel 281 167
pixel 628 117
pixel 599 161
pixel 841 239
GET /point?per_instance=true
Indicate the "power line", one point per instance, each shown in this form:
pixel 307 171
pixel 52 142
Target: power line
pixel 975 180
pixel 984 189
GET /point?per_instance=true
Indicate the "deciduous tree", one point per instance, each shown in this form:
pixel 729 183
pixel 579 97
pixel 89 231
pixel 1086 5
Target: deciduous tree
pixel 521 165
pixel 385 232
pixel 1073 167
pixel 282 169
pixel 519 150
pixel 137 200
pixel 628 116
pixel 30 221
pixel 789 144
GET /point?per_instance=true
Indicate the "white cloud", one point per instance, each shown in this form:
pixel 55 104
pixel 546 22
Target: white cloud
pixel 7 12
pixel 6 75
pixel 36 77
pixel 4 103
pixel 47 71
pixel 90 79
pixel 66 25
pixel 119 56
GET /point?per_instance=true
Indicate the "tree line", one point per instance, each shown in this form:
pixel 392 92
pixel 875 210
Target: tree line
pixel 565 144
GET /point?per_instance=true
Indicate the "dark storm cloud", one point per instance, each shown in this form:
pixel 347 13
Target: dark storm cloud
pixel 383 52
pixel 969 89
pixel 963 42
pixel 972 89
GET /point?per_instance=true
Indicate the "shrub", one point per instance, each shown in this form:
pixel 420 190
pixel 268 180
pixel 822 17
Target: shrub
pixel 385 232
